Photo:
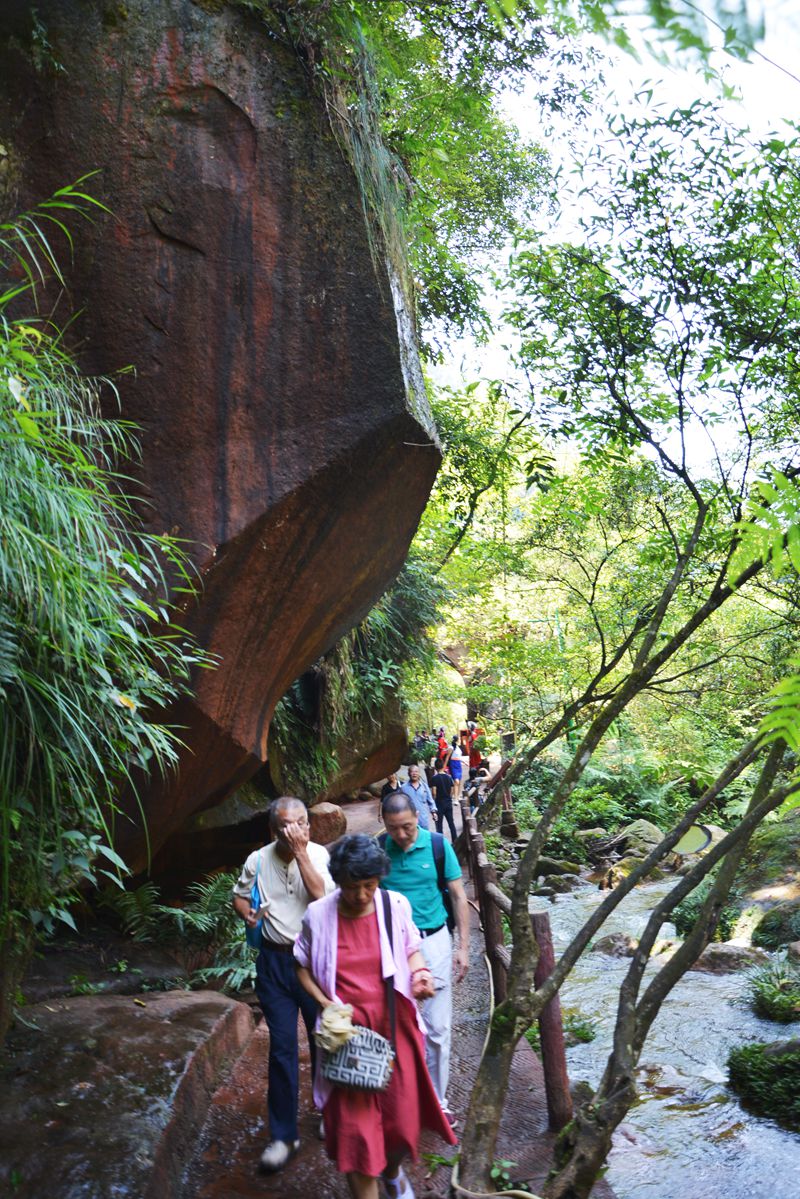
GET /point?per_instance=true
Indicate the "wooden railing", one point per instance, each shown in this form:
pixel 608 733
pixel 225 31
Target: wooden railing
pixel 493 904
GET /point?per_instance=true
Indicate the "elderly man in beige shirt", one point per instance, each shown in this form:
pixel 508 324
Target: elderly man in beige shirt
pixel 291 871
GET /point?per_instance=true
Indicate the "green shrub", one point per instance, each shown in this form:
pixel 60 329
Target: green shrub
pixel 205 933
pixel 775 992
pixel 88 654
pixel 768 1083
pixel 687 912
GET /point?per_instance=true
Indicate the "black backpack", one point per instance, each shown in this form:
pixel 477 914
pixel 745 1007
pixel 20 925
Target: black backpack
pixel 437 845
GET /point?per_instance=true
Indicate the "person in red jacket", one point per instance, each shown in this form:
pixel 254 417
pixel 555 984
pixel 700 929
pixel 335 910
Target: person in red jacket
pixel 472 735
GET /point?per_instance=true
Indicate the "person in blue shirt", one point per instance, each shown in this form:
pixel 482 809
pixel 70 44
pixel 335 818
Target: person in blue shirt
pixel 419 793
pixel 413 873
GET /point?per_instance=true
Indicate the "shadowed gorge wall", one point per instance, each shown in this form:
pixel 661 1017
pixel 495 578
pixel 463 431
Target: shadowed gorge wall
pixel 284 431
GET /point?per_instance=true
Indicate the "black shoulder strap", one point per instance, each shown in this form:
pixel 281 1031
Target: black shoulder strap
pixel 381 839
pixel 437 843
pixel 387 920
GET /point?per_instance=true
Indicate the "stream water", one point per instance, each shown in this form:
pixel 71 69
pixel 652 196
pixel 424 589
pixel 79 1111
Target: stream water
pixel 687 1137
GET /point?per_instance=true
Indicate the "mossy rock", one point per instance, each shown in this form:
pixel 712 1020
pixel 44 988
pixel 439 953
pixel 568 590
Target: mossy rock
pixel 767 1079
pixel 627 865
pixel 640 837
pixel 561 884
pixel 773 853
pixel 779 926
pixel 556 866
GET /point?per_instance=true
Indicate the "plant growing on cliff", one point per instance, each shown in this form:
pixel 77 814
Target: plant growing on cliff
pixel 87 650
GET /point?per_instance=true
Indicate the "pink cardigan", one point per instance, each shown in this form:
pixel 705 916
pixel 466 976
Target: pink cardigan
pixel 316 946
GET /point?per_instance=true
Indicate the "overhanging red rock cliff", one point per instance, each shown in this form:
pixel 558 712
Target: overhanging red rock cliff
pixel 284 430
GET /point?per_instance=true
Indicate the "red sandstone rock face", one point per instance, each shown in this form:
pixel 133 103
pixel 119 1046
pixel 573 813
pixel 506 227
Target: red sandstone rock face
pixel 284 435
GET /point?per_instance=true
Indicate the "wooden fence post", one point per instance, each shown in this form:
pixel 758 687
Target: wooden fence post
pixel 551 1031
pixel 492 928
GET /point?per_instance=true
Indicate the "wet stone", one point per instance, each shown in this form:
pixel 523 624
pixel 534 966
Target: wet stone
pixel 101 1095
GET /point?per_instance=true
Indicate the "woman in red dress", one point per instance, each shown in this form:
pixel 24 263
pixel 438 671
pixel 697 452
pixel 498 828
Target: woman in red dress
pixel 345 955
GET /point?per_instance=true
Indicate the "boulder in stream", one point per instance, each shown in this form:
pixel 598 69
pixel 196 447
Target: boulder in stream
pixel 556 866
pixel 561 884
pixel 616 945
pixel 725 957
pixel 640 837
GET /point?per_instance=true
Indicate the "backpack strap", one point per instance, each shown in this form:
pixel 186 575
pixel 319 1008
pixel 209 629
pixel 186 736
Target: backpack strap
pixel 389 982
pixel 437 844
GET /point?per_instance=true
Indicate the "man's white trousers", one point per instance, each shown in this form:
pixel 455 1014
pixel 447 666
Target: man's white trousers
pixel 437 1012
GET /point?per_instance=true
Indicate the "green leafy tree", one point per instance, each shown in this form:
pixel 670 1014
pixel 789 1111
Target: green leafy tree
pixel 670 327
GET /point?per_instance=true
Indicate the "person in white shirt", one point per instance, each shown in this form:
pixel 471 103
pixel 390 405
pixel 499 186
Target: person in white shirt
pixel 455 765
pixel 291 871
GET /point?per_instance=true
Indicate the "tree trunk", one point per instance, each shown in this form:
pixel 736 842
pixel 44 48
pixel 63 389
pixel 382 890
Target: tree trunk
pixel 14 959
pixel 582 1151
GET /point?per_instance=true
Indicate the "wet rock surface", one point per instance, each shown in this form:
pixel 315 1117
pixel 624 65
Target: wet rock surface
pixel 724 957
pixel 102 1096
pixel 99 961
pixel 616 945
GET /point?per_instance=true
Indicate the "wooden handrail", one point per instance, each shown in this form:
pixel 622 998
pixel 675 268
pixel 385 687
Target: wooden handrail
pixel 492 901
pixel 499 897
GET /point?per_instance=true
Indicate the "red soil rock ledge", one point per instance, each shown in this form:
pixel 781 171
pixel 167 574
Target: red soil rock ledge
pixel 103 1095
pixel 285 435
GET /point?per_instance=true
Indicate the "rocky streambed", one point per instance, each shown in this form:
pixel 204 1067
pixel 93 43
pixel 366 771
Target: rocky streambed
pixel 688 1137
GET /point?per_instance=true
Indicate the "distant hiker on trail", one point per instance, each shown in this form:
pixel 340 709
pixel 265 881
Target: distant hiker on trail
pixel 292 871
pixel 419 793
pixel 473 734
pixel 442 788
pixel 346 955
pixel 441 742
pixel 416 874
pixel 475 791
pixel 455 764
pixel 392 784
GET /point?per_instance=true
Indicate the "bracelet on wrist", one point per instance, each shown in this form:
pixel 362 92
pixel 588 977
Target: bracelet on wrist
pixel 420 970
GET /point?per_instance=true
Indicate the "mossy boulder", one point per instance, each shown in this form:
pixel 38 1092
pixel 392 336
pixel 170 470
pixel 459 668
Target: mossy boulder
pixel 627 865
pixel 779 926
pixel 640 837
pixel 767 1079
pixel 561 884
pixel 556 866
pixel 772 860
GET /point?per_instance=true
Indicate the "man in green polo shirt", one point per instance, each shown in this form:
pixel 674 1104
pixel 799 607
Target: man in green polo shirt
pixel 414 874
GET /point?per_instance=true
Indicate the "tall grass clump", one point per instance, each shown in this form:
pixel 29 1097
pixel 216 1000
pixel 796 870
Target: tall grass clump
pixel 87 649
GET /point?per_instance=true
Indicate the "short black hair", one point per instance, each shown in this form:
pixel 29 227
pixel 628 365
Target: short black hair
pixel 397 801
pixel 357 857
